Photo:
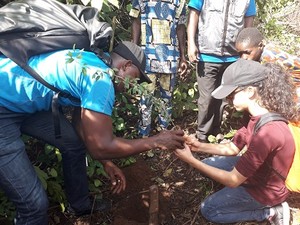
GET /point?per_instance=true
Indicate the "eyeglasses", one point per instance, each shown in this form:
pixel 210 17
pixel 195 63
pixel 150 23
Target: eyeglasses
pixel 232 94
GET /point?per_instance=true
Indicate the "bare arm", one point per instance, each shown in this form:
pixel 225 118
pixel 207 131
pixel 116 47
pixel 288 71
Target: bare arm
pixel 225 149
pixel 136 30
pixel 230 179
pixel 181 36
pixel 249 20
pixel 116 176
pixel 102 144
pixel 192 29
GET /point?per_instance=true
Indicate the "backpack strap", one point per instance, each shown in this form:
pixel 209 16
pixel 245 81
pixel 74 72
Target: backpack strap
pixel 36 76
pixel 55 114
pixel 101 55
pixel 266 118
pixel 54 104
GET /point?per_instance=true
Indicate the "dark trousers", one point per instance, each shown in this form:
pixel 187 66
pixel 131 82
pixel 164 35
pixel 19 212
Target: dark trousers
pixel 209 77
pixel 17 175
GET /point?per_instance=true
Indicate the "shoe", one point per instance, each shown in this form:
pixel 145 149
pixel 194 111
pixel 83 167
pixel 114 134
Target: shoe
pixel 282 214
pixel 101 205
pixel 201 138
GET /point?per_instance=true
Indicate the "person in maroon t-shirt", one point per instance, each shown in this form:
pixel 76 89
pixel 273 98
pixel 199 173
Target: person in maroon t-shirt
pixel 253 189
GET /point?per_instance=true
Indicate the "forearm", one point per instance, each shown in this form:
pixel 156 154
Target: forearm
pixel 120 147
pixel 249 21
pixel 230 179
pixel 136 30
pixel 226 149
pixel 192 26
pixel 181 36
pixel 102 144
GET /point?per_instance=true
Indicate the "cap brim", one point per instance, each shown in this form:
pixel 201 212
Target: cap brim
pixel 144 78
pixel 223 91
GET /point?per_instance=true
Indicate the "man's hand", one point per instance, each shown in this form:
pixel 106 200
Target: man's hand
pixel 183 69
pixel 193 53
pixel 116 176
pixel 169 139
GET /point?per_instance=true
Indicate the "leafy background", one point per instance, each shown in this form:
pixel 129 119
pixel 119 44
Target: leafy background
pixel 278 20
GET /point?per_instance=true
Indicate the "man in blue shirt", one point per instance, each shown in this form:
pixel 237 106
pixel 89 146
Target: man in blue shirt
pixel 25 107
pixel 215 25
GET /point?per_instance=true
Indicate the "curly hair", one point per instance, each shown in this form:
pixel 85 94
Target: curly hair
pixel 249 36
pixel 278 93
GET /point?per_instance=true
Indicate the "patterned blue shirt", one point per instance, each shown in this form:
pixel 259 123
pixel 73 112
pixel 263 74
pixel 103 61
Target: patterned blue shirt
pixel 159 20
pixel 20 92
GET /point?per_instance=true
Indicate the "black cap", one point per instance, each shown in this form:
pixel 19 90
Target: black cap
pixel 238 74
pixel 131 51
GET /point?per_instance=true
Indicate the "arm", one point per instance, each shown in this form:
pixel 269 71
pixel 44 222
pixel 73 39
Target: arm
pixel 136 30
pixel 192 29
pixel 102 144
pixel 249 21
pixel 250 14
pixel 116 176
pixel 224 149
pixel 181 36
pixel 228 178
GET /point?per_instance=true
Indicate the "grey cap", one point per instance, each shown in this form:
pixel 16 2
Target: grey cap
pixel 131 51
pixel 238 74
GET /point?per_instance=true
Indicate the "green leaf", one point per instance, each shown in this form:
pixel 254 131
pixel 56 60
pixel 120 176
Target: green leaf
pixel 42 176
pixel 90 171
pixel 48 148
pixel 53 172
pixel 100 171
pixel 97 183
pixel 191 92
pixel 58 155
pixel 70 54
pixel 84 71
pixel 212 139
pixel 69 60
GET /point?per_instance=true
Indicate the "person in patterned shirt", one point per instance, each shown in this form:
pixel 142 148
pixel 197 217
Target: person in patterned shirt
pixel 251 45
pixel 159 27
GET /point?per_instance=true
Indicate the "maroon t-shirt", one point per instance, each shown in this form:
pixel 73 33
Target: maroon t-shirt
pixel 271 147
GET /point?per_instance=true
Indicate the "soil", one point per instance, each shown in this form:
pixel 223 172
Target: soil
pixel 181 189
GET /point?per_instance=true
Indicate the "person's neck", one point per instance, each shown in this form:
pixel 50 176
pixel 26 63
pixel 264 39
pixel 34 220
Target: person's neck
pixel 256 110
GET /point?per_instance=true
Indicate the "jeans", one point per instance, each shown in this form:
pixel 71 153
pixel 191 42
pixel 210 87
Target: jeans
pixel 210 110
pixel 18 178
pixel 231 205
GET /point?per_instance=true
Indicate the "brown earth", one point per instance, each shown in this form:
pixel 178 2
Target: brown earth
pixel 181 189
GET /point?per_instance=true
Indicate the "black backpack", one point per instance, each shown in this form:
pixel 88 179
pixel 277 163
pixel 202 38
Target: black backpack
pixel 32 27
